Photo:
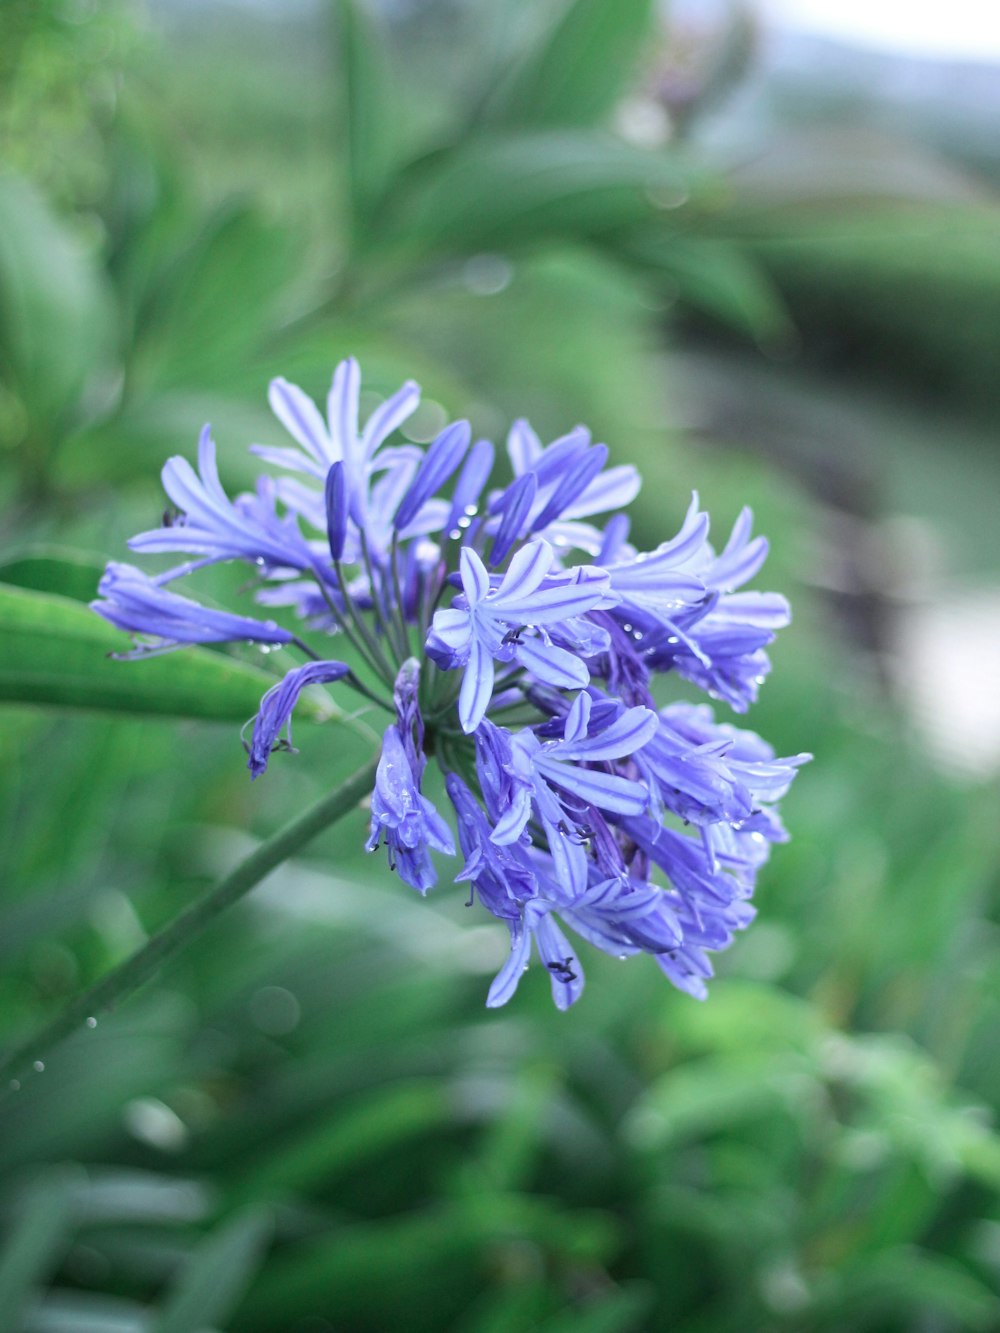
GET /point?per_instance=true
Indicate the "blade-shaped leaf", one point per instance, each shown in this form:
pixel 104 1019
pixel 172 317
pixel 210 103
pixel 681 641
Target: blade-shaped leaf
pixel 55 309
pixel 581 68
pixel 53 569
pixel 213 1280
pixel 55 651
pixel 34 1244
pixel 717 277
pixel 369 109
pixel 515 189
pixel 216 303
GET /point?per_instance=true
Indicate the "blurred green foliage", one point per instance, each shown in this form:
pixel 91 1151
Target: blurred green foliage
pixel 310 1122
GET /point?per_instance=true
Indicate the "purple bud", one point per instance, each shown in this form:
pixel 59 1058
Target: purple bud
pixel 574 483
pixel 336 510
pixel 437 465
pixel 515 505
pixel 561 454
pixel 469 486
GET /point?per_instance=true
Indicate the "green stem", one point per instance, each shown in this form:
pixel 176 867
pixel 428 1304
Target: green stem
pixel 118 984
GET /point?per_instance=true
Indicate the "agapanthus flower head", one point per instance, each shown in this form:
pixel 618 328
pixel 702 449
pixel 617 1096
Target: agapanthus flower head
pixel 515 636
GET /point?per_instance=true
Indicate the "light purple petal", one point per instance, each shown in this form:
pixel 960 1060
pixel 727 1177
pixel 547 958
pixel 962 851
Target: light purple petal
pixel 477 687
pixel 578 718
pixel 525 572
pixel 301 418
pixel 564 967
pixel 607 791
pixel 389 416
pixel 552 665
pixel 475 577
pixel 342 415
pixel 506 980
pixel 613 489
pixel 523 447
pixel 630 732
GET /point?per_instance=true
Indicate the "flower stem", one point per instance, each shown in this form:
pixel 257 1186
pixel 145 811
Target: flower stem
pixel 118 984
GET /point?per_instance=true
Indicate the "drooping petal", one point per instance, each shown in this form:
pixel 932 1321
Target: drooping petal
pixel 278 703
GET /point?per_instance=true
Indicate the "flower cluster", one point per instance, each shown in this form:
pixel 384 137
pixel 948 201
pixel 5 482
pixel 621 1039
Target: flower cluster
pixel 516 638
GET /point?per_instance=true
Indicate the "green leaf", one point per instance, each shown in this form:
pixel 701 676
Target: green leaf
pixel 580 70
pixel 57 652
pixel 216 303
pixel 34 1244
pixel 382 1121
pixel 370 110
pixel 719 279
pixel 514 189
pixel 53 569
pixel 214 1278
pixel 55 311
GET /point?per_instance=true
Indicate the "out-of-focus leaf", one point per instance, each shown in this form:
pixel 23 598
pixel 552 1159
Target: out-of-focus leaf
pixel 52 569
pixel 55 311
pixel 506 190
pixel 370 110
pixel 214 1278
pixel 376 1272
pixel 83 1312
pixel 216 303
pixel 55 651
pixel 710 1095
pixel 907 1279
pixel 717 278
pixel 34 1244
pixel 581 68
pixel 618 1312
pixel 388 1117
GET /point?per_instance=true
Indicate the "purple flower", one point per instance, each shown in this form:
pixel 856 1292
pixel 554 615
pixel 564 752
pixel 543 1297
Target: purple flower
pixel 163 619
pixel 406 820
pixel 212 525
pixel 491 624
pixel 582 812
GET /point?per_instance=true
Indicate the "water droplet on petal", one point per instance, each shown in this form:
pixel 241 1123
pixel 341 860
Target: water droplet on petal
pixel 39 1066
pixel 92 1022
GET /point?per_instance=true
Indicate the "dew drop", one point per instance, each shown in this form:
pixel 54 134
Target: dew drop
pixel 15 1085
pixel 92 1022
pixel 623 957
pixel 39 1066
pixel 471 510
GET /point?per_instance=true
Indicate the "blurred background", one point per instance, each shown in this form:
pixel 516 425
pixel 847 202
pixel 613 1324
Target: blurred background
pixel 756 247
